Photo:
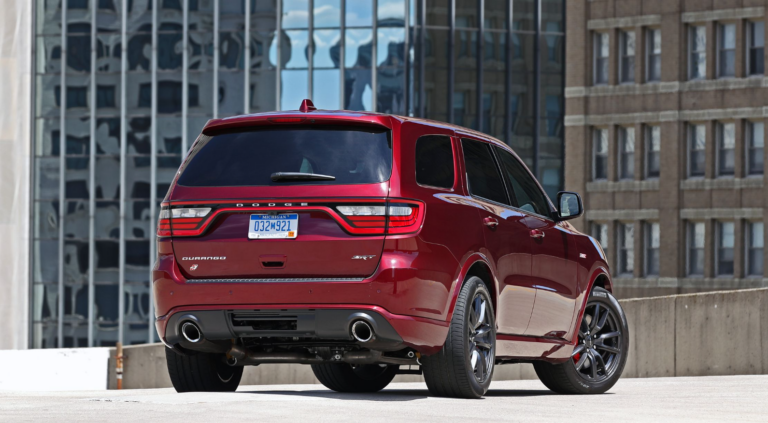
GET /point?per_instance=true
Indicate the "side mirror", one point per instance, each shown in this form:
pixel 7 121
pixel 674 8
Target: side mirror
pixel 569 205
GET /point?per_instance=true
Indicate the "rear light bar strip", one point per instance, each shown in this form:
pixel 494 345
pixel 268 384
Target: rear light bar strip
pixel 354 224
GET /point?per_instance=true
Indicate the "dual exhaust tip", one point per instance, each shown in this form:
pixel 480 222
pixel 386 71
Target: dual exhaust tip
pixel 362 331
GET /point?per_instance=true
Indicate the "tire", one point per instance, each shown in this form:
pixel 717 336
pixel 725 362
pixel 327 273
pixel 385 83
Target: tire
pixel 596 363
pixel 343 377
pixel 202 372
pixel 463 368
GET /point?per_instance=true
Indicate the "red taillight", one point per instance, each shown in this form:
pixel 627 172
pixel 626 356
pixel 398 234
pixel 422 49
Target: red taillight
pixel 182 221
pixel 394 219
pixel 286 120
pixel 164 222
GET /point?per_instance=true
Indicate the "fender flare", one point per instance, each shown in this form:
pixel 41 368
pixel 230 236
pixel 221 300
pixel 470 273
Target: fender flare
pixel 461 277
pixel 598 272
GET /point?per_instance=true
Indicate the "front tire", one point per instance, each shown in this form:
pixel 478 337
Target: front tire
pixel 599 357
pixel 464 366
pixel 202 372
pixel 343 377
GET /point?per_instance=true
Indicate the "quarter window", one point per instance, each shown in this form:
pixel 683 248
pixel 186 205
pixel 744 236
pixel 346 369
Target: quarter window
pixel 434 161
pixel 483 176
pixel 726 149
pixel 526 194
pixel 652 151
pixel 726 55
pixel 697 143
pixel 627 55
pixel 627 153
pixel 600 154
pixel 697 47
pixel 725 243
pixel 626 246
pixel 696 232
pixel 755 245
pixel 653 61
pixel 755 147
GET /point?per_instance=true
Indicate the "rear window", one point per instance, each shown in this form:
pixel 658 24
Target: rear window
pixel 434 161
pixel 352 155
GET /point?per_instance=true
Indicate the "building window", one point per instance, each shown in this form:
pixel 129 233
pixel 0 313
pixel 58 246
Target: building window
pixel 626 248
pixel 755 249
pixel 725 243
pixel 652 151
pixel 697 47
pixel 755 47
pixel 726 51
pixel 652 245
pixel 696 232
pixel 653 55
pixel 697 143
pixel 755 147
pixel 600 233
pixel 627 57
pixel 599 154
pixel 726 149
pixel 602 51
pixel 626 153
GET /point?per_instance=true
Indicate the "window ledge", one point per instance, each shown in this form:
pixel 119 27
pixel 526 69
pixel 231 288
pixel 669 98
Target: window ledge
pixel 721 183
pixel 614 186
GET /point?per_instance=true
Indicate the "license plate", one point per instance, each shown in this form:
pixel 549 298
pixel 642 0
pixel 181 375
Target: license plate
pixel 267 226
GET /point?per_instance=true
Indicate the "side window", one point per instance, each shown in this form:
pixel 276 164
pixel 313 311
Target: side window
pixel 482 175
pixel 527 195
pixel 434 161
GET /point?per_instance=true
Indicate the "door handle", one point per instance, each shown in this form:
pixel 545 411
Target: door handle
pixel 490 222
pixel 537 233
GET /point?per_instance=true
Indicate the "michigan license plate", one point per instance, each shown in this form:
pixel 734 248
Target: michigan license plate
pixel 270 226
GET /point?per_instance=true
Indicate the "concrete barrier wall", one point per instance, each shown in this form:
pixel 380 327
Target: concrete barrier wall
pixel 718 333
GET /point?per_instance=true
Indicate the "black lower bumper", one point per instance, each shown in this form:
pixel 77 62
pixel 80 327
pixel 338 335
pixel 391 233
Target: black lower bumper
pixel 315 325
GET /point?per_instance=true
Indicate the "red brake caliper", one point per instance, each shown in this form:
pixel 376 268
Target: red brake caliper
pixel 576 357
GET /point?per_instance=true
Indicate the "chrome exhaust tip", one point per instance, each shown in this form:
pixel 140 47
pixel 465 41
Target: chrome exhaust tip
pixel 362 331
pixel 191 332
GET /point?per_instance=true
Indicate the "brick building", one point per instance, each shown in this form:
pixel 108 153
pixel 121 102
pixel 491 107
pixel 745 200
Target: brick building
pixel 665 126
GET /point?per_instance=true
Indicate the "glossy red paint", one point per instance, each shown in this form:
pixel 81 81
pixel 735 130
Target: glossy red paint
pixel 539 283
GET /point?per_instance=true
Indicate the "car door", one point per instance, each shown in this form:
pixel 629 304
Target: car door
pixel 506 237
pixel 553 267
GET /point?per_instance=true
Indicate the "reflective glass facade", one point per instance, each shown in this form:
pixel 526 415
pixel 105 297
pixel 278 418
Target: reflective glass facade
pixel 123 87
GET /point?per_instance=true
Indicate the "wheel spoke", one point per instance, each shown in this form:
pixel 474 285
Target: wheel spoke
pixel 593 366
pixel 601 321
pixel 475 357
pixel 579 348
pixel 609 335
pixel 583 359
pixel 595 316
pixel 608 348
pixel 584 327
pixel 481 370
pixel 481 318
pixel 599 360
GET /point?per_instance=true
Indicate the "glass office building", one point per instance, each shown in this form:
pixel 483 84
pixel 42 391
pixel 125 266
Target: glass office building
pixel 123 87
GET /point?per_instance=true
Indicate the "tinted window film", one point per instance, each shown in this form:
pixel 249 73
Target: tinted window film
pixel 351 155
pixel 434 161
pixel 527 195
pixel 482 175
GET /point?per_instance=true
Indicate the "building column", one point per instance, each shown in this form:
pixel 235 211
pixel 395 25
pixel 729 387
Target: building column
pixel 640 48
pixel 672 248
pixel 639 252
pixel 639 152
pixel 740 148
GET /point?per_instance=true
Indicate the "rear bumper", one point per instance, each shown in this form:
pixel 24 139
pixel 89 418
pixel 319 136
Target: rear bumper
pixel 321 323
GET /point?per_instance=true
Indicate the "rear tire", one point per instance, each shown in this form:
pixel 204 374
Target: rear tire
pixel 600 354
pixel 202 372
pixel 342 377
pixel 464 366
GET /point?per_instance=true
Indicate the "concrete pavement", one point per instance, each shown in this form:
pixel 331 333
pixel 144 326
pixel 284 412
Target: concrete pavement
pixel 714 398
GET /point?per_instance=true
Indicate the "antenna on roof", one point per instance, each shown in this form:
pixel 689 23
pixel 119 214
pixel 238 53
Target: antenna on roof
pixel 307 106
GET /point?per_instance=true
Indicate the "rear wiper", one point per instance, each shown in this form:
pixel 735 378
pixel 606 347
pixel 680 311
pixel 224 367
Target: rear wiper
pixel 300 176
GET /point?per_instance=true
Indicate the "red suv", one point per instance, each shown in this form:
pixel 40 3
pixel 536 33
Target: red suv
pixel 371 245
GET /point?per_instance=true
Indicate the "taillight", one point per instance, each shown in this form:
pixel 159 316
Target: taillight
pixel 397 218
pixel 181 221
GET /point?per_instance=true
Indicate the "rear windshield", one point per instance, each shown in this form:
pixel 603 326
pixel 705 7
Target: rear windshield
pixel 352 155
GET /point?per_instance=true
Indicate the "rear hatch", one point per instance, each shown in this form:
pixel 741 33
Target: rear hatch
pixel 283 202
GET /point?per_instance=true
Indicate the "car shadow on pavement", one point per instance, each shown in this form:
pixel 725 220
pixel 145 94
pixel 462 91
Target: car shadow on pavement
pixel 395 394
